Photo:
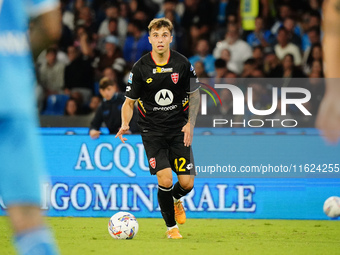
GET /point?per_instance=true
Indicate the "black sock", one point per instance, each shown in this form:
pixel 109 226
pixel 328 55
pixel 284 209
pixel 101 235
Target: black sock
pixel 166 204
pixel 178 191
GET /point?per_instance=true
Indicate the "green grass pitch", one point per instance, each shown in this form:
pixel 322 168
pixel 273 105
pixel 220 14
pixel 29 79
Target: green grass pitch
pixel 83 236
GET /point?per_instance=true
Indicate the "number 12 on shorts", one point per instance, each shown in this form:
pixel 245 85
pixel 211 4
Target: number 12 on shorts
pixel 179 164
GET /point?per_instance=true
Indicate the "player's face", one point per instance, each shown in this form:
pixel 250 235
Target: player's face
pixel 160 40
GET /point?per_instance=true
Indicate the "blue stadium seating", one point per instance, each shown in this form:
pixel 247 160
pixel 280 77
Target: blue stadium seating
pixel 55 105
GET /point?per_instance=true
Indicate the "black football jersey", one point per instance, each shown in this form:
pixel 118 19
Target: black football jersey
pixel 162 92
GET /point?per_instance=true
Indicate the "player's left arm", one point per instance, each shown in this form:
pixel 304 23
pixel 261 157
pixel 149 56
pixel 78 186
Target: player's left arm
pixel 188 129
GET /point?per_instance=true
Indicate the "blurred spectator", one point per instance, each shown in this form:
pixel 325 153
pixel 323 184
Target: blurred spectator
pixel 314 19
pixel 109 111
pixel 225 55
pixel 315 5
pixel 177 32
pixel 220 68
pixel 51 73
pixel 196 14
pixel 66 38
pixel 287 69
pixel 260 36
pixel 250 10
pixel 316 69
pixel 86 19
pixel 72 108
pixel 293 37
pixel 67 15
pixel 313 30
pixel 284 47
pixel 79 74
pixel 142 17
pixel 258 55
pixel 257 73
pixel 112 74
pixel 196 22
pixel 111 12
pixel 225 109
pixel 136 44
pixel 313 37
pixel 203 54
pixel 222 11
pixel 285 11
pixel 84 41
pixel 169 5
pixel 61 56
pixel 93 105
pixel 248 68
pixel 112 26
pixel 112 52
pixel 77 5
pixel 109 73
pixel 271 63
pixel 133 6
pixel 200 70
pixel 124 12
pixel 315 53
pixel 240 50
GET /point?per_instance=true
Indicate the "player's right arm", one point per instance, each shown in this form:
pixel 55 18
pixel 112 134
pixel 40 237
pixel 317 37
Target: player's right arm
pixel 127 113
pixel 45 29
pixel 133 92
pixel 328 119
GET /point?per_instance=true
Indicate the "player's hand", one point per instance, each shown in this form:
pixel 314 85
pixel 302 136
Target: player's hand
pixel 94 133
pixel 123 130
pixel 188 131
pixel 328 119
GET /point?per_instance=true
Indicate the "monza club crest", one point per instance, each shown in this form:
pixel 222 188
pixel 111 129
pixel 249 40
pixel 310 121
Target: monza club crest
pixel 152 162
pixel 174 77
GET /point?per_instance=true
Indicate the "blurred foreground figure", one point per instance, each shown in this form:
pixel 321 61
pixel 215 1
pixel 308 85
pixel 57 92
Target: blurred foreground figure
pixel 328 119
pixel 21 166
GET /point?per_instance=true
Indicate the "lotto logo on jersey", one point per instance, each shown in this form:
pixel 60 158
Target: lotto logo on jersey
pixel 152 162
pixel 175 77
pixel 164 97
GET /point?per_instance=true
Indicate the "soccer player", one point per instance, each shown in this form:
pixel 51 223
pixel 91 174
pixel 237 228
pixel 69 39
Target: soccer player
pixel 20 157
pixel 160 82
pixel 328 119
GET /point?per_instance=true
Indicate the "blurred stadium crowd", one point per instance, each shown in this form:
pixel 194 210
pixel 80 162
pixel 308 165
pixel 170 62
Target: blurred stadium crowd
pixel 222 39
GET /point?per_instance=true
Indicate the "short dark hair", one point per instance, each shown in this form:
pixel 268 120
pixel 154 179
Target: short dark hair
pixel 220 63
pixel 282 29
pixel 250 61
pixel 315 29
pixel 137 23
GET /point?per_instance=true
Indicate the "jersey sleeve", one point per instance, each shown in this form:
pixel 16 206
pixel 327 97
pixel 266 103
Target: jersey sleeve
pixel 38 7
pixel 192 83
pixel 135 84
